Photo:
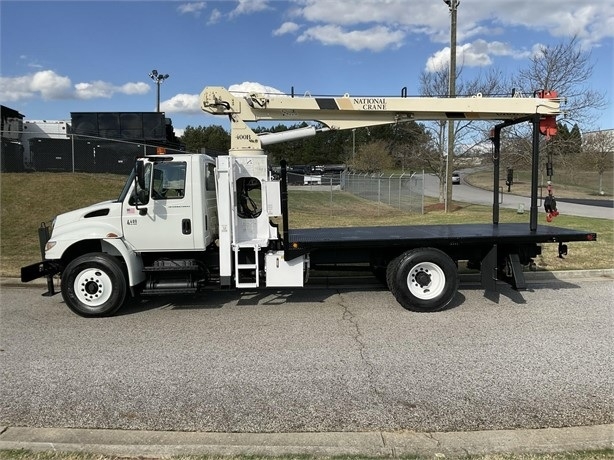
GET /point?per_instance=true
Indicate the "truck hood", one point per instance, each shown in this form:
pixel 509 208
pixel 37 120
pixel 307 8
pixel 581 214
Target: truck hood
pixel 96 210
pixel 98 221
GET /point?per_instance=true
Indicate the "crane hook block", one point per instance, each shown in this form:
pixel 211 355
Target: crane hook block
pixel 547 125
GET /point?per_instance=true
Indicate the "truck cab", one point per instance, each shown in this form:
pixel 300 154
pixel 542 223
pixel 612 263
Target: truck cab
pixel 182 223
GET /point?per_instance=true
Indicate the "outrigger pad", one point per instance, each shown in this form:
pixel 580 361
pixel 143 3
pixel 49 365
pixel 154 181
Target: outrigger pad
pixel 518 281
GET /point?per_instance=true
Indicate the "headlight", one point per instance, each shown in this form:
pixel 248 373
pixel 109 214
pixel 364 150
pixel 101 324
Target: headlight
pixel 49 245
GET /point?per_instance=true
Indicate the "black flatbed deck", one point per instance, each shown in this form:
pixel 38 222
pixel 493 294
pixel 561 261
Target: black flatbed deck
pixel 431 235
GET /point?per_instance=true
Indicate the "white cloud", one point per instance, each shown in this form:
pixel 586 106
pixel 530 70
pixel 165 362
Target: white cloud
pixel 181 103
pixel 375 39
pixel 15 89
pixel 134 88
pixel 45 84
pixel 93 90
pixel 248 87
pixel 390 12
pixel 249 7
pixel 103 89
pixel 50 86
pixel 537 50
pixel 286 28
pixel 476 54
pixel 215 17
pixel 29 62
pixel 335 22
pixel 591 20
pixel 194 8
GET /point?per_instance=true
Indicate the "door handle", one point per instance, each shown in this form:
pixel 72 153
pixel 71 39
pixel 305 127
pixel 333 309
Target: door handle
pixel 186 226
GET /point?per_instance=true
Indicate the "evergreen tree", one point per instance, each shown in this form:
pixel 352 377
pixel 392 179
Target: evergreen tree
pixel 213 137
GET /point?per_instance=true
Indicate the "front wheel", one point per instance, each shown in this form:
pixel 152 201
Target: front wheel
pixel 94 285
pixel 423 280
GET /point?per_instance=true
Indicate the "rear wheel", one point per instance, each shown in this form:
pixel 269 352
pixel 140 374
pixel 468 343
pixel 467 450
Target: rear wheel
pixel 423 279
pixel 94 285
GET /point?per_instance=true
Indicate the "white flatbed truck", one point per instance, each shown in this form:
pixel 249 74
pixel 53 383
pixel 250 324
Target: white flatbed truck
pixel 189 222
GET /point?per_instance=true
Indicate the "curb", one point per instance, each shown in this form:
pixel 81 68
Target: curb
pixel 371 444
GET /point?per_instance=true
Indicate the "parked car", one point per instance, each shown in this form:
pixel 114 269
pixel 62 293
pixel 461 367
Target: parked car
pixel 455 178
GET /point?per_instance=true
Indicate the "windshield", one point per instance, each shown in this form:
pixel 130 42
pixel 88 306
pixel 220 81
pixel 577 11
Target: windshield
pixel 127 185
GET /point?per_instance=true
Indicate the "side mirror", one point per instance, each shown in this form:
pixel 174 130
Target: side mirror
pixel 143 196
pixel 140 174
pixel 139 198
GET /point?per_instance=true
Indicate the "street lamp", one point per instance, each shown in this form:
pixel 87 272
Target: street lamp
pixel 453 5
pixel 158 78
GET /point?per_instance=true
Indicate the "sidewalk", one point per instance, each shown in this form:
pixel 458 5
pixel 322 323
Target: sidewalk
pixel 370 444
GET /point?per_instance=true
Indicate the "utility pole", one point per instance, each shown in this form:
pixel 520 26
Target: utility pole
pixel 159 79
pixel 453 5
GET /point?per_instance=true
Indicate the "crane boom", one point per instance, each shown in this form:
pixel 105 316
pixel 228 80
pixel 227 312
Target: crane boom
pixel 347 112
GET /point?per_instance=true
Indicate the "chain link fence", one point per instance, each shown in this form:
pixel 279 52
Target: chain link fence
pixel 79 153
pixel 402 191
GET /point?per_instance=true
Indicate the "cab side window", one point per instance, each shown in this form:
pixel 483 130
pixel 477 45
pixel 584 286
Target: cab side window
pixel 168 181
pixel 210 177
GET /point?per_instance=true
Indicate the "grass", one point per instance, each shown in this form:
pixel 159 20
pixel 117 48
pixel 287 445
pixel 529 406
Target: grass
pixel 606 454
pixel 580 184
pixel 27 199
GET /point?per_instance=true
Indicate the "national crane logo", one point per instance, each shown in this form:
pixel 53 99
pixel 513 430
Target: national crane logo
pixel 371 103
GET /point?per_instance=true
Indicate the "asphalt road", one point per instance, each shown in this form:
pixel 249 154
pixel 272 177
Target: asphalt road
pixel 325 359
pixel 466 193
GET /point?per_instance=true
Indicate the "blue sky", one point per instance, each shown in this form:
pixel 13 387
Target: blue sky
pixel 75 56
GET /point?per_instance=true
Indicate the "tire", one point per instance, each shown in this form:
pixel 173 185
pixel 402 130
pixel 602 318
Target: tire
pixel 94 285
pixel 391 269
pixel 423 280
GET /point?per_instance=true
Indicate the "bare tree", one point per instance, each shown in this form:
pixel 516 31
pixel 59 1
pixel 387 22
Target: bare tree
pixel 598 152
pixel 467 134
pixel 565 68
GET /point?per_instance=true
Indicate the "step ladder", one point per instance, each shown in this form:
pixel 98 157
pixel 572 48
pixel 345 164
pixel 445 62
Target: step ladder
pixel 247 274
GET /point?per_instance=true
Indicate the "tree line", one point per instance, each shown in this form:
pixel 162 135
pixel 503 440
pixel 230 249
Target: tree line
pixel 371 149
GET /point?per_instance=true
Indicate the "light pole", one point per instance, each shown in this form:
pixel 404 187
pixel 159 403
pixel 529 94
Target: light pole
pixel 158 78
pixel 453 5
